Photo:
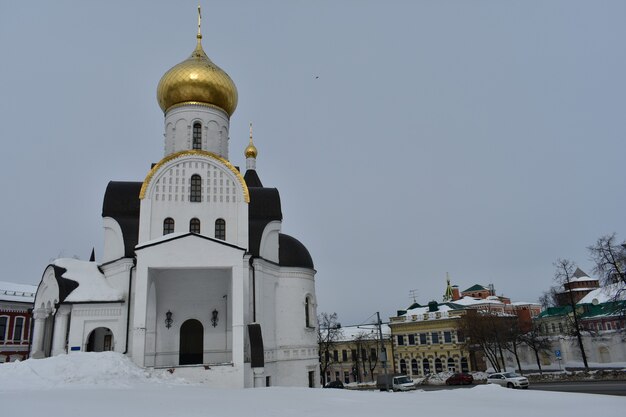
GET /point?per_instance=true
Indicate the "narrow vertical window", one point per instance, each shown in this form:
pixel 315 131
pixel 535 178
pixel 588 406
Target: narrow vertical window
pixel 168 226
pixel 4 323
pixel 17 329
pixel 220 229
pixel 307 314
pixel 197 136
pixel 194 225
pixel 195 192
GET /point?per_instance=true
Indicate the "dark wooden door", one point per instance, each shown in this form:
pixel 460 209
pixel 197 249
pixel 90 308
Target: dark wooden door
pixel 191 342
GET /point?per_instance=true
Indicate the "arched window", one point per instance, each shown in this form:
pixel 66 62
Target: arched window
pixel 438 366
pixel 414 370
pixel 451 365
pixel 197 136
pixel 220 229
pixel 402 366
pixel 307 312
pixel 464 365
pixel 194 225
pixel 426 366
pixel 168 226
pixel 195 192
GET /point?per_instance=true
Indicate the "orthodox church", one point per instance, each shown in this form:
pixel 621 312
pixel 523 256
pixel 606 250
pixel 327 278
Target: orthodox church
pixel 196 273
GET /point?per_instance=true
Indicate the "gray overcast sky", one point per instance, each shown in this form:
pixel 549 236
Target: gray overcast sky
pixel 483 138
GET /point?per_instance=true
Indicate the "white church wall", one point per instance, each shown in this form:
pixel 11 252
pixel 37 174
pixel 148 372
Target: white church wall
pixel 113 240
pixel 269 241
pixel 188 253
pixel 294 286
pixel 85 318
pixel 179 127
pixel 168 196
pixel 266 283
pixel 193 294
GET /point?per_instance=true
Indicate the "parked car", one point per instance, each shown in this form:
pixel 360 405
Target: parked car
pixel 334 384
pixel 395 382
pixel 508 379
pixel 460 379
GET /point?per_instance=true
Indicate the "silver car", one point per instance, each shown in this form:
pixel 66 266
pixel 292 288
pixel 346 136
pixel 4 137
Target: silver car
pixel 508 379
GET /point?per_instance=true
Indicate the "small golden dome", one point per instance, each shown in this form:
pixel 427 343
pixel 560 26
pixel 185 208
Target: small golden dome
pixel 197 79
pixel 251 151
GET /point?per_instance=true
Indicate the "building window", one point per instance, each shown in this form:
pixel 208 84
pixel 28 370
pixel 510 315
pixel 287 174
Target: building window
pixel 464 365
pixel 363 355
pixel 460 337
pixel 197 136
pixel 195 192
pixel 307 312
pixel 354 359
pixel 426 366
pixel 311 379
pixel 423 340
pixel 4 323
pixel 268 381
pixel 402 366
pixel 344 355
pixel 17 329
pixel 346 377
pixel 414 370
pixel 451 365
pixel 447 337
pixel 435 337
pixel 373 355
pixel 438 365
pixel 560 327
pixel 168 226
pixel 220 229
pixel 400 340
pixel 194 225
pixel 336 358
pixel 411 339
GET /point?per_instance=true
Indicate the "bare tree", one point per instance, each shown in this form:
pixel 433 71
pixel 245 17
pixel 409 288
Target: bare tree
pixel 537 343
pixel 512 332
pixel 609 258
pixel 485 331
pixel 563 275
pixel 328 333
pixel 549 298
pixel 366 344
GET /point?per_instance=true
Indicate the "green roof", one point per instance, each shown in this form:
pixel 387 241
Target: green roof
pixel 476 287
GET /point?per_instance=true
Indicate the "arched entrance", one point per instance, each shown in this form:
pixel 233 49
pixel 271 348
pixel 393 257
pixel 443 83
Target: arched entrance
pixel 100 340
pixel 191 342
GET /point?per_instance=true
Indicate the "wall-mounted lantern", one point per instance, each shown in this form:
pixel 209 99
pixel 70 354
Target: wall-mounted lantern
pixel 168 319
pixel 214 318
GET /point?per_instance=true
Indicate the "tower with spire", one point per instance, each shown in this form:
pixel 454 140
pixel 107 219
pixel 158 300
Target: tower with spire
pixel 195 269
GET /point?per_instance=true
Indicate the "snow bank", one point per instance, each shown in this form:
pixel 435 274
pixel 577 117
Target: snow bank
pixel 88 384
pixel 78 369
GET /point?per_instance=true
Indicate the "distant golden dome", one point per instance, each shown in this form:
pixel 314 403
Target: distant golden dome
pixel 251 151
pixel 197 79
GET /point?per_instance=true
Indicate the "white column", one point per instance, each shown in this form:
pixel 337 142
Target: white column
pixel 61 321
pixel 138 322
pixel 259 380
pixel 38 333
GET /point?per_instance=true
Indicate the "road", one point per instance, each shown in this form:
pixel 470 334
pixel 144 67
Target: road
pixel 586 387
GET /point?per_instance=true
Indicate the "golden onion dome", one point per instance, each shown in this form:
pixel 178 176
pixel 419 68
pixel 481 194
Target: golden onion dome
pixel 197 80
pixel 251 151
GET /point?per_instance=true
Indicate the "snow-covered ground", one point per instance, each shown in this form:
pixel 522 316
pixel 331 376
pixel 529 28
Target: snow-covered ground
pixel 108 384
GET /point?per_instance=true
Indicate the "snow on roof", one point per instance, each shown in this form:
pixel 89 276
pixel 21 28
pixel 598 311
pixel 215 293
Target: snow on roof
pixel 425 310
pixel 604 294
pixel 92 285
pixel 22 293
pixel 524 303
pixel 472 301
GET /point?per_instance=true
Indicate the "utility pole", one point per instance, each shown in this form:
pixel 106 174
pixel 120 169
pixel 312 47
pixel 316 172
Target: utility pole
pixel 383 351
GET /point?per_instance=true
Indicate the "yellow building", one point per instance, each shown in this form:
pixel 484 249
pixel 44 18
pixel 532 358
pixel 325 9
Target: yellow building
pixel 426 340
pixel 355 356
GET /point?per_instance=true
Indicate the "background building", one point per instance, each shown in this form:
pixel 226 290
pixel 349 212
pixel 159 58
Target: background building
pixel 16 301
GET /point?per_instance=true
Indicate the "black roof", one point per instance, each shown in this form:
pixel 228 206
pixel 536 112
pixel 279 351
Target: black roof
pixel 66 286
pixel 291 252
pixel 252 178
pixel 121 202
pixel 264 208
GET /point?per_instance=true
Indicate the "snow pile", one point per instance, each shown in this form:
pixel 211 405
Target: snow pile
pixel 83 384
pixel 78 369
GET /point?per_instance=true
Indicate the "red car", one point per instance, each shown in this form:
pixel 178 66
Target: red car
pixel 460 379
